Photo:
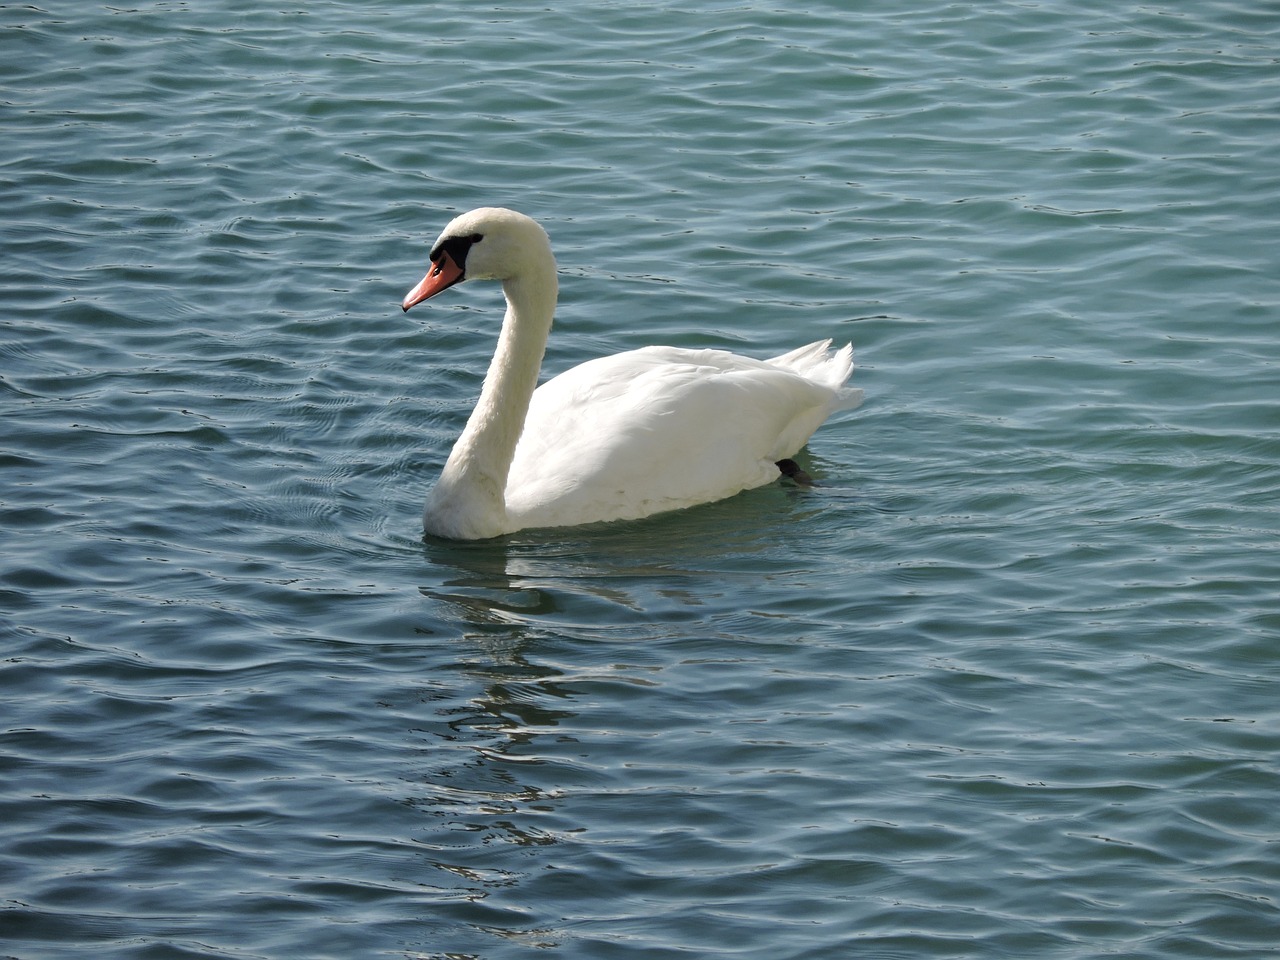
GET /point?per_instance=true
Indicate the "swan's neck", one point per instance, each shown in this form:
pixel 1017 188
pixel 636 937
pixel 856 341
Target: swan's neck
pixel 469 499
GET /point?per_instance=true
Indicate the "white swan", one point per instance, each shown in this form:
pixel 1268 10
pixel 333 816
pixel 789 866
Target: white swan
pixel 616 438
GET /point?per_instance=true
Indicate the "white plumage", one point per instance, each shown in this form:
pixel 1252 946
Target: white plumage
pixel 621 437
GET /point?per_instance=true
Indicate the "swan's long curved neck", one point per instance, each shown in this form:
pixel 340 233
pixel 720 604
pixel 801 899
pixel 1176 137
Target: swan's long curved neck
pixel 470 496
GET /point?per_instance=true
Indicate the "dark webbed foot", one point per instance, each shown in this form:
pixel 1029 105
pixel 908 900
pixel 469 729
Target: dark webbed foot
pixel 790 468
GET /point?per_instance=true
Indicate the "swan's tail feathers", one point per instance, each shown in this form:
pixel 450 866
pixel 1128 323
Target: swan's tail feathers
pixel 816 362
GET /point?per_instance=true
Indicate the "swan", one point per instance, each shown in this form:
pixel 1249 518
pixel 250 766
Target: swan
pixel 617 438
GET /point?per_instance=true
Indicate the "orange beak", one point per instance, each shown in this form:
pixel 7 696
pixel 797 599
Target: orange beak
pixel 444 273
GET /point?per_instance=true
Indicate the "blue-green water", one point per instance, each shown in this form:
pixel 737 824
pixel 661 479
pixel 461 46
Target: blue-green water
pixel 1004 685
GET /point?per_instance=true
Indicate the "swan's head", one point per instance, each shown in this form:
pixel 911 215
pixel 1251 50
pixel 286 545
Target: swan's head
pixel 489 243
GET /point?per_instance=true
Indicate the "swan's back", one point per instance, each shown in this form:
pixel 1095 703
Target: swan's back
pixel 663 428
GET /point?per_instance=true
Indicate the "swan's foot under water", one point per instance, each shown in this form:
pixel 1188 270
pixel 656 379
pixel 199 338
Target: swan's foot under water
pixel 792 469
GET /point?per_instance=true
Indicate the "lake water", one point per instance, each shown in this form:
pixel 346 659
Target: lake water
pixel 1004 684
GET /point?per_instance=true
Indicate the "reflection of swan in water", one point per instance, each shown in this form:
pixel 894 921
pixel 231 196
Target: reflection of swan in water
pixel 635 581
pixel 621 437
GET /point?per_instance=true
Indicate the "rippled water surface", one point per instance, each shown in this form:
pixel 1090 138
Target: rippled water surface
pixel 1003 685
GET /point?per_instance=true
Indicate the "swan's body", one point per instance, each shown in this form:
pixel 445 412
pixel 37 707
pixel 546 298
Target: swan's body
pixel 621 437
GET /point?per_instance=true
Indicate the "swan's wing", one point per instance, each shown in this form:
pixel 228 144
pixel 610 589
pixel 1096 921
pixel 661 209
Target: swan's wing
pixel 658 429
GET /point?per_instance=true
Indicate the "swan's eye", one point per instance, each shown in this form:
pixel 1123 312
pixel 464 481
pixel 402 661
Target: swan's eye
pixel 456 248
